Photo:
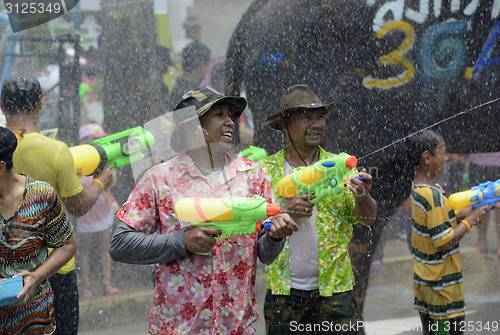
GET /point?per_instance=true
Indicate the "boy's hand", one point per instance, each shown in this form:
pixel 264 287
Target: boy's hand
pixel 477 215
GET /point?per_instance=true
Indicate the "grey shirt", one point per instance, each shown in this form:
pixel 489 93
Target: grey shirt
pixel 129 245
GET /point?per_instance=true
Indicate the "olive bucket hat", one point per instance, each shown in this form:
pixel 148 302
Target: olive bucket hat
pixel 297 97
pixel 197 102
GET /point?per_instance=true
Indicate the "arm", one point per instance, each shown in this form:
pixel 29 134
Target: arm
pixel 365 208
pixel 270 244
pixel 129 245
pixel 82 202
pixel 268 249
pixel 52 264
pixel 476 216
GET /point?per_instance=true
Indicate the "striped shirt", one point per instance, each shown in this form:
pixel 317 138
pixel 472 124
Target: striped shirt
pixel 437 279
pixel 39 222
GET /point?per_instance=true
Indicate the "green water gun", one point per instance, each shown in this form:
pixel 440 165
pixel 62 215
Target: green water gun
pixel 231 215
pixel 120 149
pixel 254 153
pixel 324 178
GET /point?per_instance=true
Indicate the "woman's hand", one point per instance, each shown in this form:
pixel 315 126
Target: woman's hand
pixel 282 226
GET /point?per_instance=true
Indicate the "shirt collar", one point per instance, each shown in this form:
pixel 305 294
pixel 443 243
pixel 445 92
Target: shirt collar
pixel 185 164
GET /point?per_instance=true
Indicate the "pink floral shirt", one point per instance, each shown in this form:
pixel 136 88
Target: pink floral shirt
pixel 199 294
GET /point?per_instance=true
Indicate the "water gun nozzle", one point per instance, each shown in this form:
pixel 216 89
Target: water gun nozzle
pixel 351 162
pixel 273 209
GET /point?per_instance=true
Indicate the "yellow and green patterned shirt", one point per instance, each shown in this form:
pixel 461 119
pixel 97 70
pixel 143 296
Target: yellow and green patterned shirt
pixel 334 223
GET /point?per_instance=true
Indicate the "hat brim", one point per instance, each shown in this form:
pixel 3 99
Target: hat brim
pixel 235 104
pixel 274 120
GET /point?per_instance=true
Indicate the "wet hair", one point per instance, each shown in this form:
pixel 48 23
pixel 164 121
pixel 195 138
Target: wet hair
pixel 8 144
pixel 193 55
pixel 21 93
pixel 418 143
pixel 163 54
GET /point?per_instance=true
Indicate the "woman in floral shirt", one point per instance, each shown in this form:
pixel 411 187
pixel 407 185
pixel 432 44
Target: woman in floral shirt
pixel 195 293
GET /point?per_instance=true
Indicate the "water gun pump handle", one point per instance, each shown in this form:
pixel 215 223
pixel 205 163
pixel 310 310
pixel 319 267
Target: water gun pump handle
pixel 361 178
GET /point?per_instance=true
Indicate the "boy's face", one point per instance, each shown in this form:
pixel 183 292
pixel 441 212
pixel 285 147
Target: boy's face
pixel 438 159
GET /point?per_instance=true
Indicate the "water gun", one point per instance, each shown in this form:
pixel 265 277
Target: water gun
pixel 231 215
pixel 324 178
pixel 487 193
pixel 253 153
pixel 120 149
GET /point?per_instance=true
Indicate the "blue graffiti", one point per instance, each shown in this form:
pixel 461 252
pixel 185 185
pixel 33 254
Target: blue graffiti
pixel 438 44
pixel 268 63
pixel 484 58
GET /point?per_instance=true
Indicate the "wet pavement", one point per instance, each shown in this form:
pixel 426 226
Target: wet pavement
pixel 388 306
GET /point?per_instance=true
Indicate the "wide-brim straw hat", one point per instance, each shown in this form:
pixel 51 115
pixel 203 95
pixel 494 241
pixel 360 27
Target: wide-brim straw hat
pixel 297 97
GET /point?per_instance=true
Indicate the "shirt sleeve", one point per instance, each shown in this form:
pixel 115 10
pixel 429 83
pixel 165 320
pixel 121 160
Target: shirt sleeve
pixel 58 227
pixel 68 183
pixel 129 245
pixel 140 211
pixel 268 249
pixel 438 221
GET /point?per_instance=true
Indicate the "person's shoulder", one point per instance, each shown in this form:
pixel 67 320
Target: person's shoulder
pixel 327 154
pixel 46 143
pixel 39 186
pixel 426 197
pixel 274 159
pixel 170 166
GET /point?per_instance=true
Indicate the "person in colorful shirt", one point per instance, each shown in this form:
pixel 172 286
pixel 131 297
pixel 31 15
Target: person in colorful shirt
pixel 311 281
pixel 50 160
pixel 32 219
pixel 195 293
pixel 437 229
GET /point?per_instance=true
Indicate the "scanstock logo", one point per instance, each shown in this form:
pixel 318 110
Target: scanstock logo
pixel 25 14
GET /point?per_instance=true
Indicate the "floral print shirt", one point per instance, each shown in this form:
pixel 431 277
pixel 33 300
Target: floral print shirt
pixel 334 223
pixel 199 294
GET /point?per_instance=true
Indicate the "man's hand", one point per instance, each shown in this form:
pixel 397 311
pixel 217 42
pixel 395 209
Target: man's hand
pixel 106 176
pixel 299 206
pixel 358 187
pixel 283 226
pixel 200 239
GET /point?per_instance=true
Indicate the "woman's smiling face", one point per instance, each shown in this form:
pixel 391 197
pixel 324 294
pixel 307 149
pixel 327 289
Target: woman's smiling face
pixel 218 126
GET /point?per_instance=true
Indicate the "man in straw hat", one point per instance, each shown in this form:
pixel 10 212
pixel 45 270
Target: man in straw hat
pixel 312 282
pixel 203 285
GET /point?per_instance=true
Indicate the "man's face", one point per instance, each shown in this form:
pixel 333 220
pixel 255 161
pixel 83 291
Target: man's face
pixel 218 127
pixel 307 127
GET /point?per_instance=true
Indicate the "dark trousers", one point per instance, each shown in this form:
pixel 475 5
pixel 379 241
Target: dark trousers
pixel 306 312
pixel 455 326
pixel 66 309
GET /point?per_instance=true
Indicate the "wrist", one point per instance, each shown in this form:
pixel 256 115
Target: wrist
pixel 99 182
pixel 274 240
pixel 467 224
